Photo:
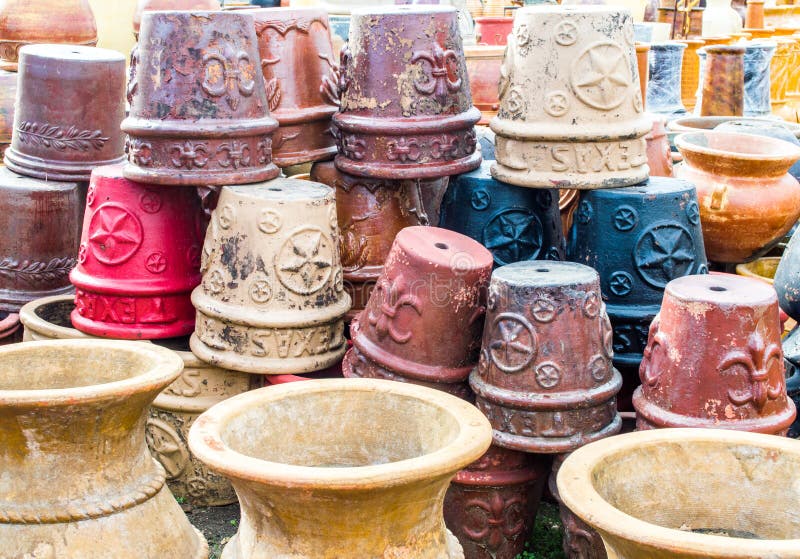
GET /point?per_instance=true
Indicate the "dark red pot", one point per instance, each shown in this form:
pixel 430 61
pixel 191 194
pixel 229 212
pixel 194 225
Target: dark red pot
pixel 493 30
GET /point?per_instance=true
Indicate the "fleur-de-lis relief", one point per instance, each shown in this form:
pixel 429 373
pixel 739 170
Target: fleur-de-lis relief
pixel 329 88
pixel 647 371
pixel 139 152
pixel 264 150
pixel 393 296
pixel 439 83
pixel 227 76
pixel 189 155
pixel 353 147
pixel 763 363
pixel 404 150
pixel 237 154
pixel 444 146
pixel 502 519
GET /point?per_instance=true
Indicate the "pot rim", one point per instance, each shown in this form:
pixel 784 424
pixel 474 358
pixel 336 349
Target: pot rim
pixel 781 149
pixel 470 443
pixel 578 493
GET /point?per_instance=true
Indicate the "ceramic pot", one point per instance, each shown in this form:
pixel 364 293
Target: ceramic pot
pixel 423 321
pixel 302 498
pixel 659 154
pixel 370 214
pixel 747 199
pixel 272 298
pixel 483 68
pixel 764 127
pixel 571 130
pixel 738 502
pixel 139 259
pixel 725 328
pixel 685 23
pixel 787 279
pixel 690 73
pixel 45 218
pixel 513 223
pixel 199 112
pixel 664 87
pixel 8 95
pixel 57 135
pixel 491 504
pixel 406 111
pixel 697 123
pixel 47 21
pixel 545 378
pixel 638 239
pixel 754 16
pixel 493 31
pixel 722 81
pixel 779 72
pixel 757 59
pixel 10 328
pixel 160 5
pixel 301 77
pixel 761 268
pixel 719 18
pixel 642 56
pixel 69 498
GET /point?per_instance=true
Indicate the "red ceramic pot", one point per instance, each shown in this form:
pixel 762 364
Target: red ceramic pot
pixel 70 102
pixel 301 77
pixel 659 154
pixel 199 112
pixel 406 110
pixel 10 331
pixel 139 259
pixel 725 332
pixel 483 67
pixel 493 30
pixel 159 5
pixel 423 320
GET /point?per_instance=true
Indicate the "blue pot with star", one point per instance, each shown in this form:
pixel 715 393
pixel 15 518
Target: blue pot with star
pixel 514 223
pixel 638 239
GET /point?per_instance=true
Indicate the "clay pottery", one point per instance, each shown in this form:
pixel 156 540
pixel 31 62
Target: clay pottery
pixel 23 22
pixel 301 77
pixel 8 94
pixel 545 378
pixel 493 31
pixel 780 69
pixel 10 328
pixel 491 504
pixel 664 87
pixel 90 480
pixel 199 113
pixel 764 127
pixel 370 214
pixel 686 22
pixel 642 54
pixel 690 73
pixel 638 239
pixel 272 298
pixel 725 329
pixel 567 204
pixel 513 223
pixel 747 199
pixel 483 68
pixel 302 494
pixel 754 16
pixel 57 134
pixel 696 123
pixel 719 18
pixel 406 110
pixel 760 268
pixel 423 321
pixel 722 81
pixel 659 155
pixel 757 60
pixel 161 5
pixel 582 126
pixel 45 218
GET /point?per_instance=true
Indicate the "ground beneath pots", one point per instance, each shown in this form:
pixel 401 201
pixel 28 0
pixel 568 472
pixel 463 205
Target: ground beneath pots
pixel 218 524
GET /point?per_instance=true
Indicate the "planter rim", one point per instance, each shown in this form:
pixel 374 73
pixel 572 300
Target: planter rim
pixel 780 150
pixel 472 440
pixel 577 491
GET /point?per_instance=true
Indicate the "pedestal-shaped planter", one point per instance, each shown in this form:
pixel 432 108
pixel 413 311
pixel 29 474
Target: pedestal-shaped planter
pixel 90 482
pixel 721 81
pixel 757 59
pixel 754 15
pixel 342 488
pixel 664 87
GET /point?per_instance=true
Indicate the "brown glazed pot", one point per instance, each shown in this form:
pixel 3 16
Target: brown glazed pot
pixel 159 5
pixel 371 212
pixel 723 81
pixel 23 22
pixel 724 331
pixel 423 320
pixel 545 378
pixel 199 112
pixel 642 52
pixel 491 504
pixel 70 102
pixel 301 77
pixel 748 200
pixel 690 72
pixel 659 155
pixel 8 95
pixel 483 67
pixel 406 109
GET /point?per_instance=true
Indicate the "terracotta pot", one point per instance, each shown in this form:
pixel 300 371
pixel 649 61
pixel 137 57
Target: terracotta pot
pixel 638 239
pixel 728 170
pixel 491 504
pixel 493 30
pixel 57 135
pixel 569 131
pixel 423 321
pixel 47 21
pixel 664 87
pixel 302 498
pixel 139 259
pixel 45 218
pixel 8 95
pixel 722 81
pixel 757 60
pixel 642 55
pixel 301 77
pixel 90 480
pixel 741 487
pixel 370 214
pixel 779 72
pixel 754 16
pixel 696 123
pixel 406 111
pixel 725 329
pixel 10 328
pixel 545 378
pixel 272 299
pixel 483 68
pixel 160 5
pixel 659 155
pixel 513 223
pixel 209 123
pixel 769 127
pixel 690 73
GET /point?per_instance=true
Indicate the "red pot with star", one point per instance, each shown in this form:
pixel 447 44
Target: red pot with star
pixel 139 259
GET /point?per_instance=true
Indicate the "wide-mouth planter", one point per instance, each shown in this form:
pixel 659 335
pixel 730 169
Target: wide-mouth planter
pixel 760 268
pixel 696 123
pixel 345 468
pixel 688 493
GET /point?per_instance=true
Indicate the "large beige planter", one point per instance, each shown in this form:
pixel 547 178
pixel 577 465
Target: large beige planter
pixel 688 494
pixel 77 481
pixel 341 468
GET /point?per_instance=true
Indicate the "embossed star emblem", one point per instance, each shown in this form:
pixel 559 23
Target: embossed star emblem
pixel 625 219
pixel 513 236
pixel 547 375
pixel 602 76
pixel 514 345
pixel 620 284
pixel 116 234
pixel 305 259
pixel 664 253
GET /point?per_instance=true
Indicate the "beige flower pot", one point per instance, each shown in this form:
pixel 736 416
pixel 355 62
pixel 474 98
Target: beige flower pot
pixel 688 494
pixel 341 468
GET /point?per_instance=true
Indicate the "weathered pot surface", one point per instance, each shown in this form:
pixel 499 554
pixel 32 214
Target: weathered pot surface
pixel 159 5
pixel 722 87
pixel 696 123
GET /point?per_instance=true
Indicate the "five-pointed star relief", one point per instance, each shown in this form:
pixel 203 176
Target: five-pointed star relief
pixel 512 236
pixel 606 71
pixel 114 235
pixel 305 259
pixel 670 252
